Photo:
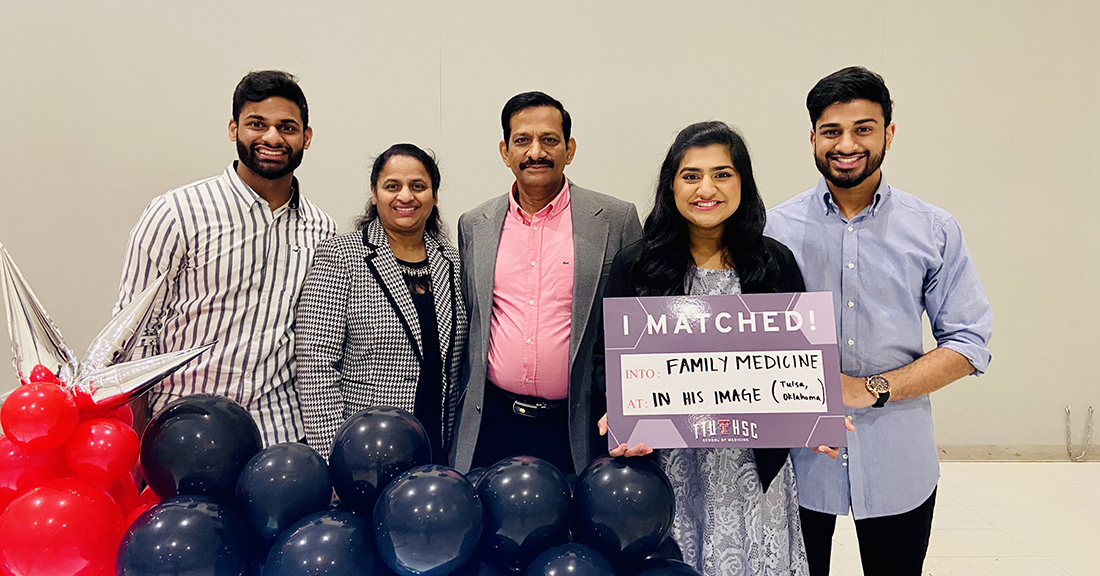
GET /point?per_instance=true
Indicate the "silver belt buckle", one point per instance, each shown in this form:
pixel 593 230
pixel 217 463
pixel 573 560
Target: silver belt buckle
pixel 525 409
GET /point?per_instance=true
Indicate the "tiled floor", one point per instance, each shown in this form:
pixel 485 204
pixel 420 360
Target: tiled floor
pixel 1004 518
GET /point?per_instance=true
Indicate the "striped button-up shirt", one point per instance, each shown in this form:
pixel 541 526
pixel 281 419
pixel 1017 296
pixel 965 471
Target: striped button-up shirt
pixel 235 268
pixel 897 260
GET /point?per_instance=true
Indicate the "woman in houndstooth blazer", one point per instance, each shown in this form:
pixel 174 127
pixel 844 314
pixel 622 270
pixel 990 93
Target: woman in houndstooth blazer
pixel 381 320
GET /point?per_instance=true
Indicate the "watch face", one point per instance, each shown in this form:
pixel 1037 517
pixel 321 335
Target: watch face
pixel 878 384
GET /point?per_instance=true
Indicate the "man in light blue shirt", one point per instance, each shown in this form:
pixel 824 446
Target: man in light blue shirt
pixel 887 257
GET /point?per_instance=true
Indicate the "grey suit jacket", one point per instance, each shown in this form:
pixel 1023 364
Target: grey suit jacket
pixel 602 225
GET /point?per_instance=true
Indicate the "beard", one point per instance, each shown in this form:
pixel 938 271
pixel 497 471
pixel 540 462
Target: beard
pixel 849 178
pixel 264 168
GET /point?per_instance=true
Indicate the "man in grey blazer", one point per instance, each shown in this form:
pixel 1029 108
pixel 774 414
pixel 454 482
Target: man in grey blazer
pixel 535 262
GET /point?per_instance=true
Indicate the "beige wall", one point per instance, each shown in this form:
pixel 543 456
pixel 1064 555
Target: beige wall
pixel 108 104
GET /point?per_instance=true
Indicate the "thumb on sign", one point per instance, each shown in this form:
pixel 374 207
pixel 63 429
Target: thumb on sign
pixel 622 450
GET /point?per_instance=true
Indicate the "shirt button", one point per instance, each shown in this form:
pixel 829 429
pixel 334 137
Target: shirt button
pixel 850 303
pixel 526 379
pixel 851 229
pixel 533 262
pixel 845 464
pixel 845 456
pixel 536 227
pixel 531 302
pixel 263 299
pixel 851 342
pixel 528 340
pixel 851 264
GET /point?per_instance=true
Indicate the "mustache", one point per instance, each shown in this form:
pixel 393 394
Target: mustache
pixel 256 145
pixel 832 155
pixel 536 162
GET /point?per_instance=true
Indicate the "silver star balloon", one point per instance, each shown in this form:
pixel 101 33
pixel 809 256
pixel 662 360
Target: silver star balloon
pixel 103 378
pixel 34 337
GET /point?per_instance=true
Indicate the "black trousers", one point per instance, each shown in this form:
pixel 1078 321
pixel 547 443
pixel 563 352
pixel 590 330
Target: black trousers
pixel 888 545
pixel 504 433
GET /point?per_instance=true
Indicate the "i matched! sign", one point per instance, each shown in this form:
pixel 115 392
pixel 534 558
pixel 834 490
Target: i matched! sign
pixel 747 370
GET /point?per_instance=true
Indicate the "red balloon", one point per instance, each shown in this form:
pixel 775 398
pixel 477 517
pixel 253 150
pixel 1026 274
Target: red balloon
pixel 133 515
pixel 124 492
pixel 147 496
pixel 122 413
pixel 84 401
pixel 21 470
pixel 102 450
pixel 39 416
pixel 64 526
pixel 42 374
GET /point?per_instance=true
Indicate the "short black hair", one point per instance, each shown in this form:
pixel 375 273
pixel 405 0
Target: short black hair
pixel 532 100
pixel 259 86
pixel 851 83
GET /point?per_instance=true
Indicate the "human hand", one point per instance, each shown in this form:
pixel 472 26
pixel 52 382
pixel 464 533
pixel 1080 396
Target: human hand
pixel 833 453
pixel 622 449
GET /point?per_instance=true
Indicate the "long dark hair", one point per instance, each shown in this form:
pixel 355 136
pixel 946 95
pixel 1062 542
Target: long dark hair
pixel 434 225
pixel 666 256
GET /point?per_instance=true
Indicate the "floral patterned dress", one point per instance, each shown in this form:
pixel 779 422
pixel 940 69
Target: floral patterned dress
pixel 725 524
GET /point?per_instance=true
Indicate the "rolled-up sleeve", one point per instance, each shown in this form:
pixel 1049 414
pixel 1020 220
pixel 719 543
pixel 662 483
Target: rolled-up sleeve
pixel 955 300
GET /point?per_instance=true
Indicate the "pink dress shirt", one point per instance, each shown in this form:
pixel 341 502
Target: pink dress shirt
pixel 533 300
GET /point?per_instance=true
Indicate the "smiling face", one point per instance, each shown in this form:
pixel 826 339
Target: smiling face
pixel 707 188
pixel 850 142
pixel 270 137
pixel 403 196
pixel 536 150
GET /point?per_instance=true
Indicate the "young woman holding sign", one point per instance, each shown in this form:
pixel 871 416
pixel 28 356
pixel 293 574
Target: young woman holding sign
pixel 735 508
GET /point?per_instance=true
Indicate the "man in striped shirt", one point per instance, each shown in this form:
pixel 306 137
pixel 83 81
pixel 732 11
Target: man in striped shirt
pixel 235 249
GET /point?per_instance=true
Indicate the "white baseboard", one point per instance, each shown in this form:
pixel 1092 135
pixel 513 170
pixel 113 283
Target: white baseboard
pixel 1026 453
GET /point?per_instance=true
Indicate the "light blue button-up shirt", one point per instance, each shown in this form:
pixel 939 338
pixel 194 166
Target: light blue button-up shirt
pixel 897 259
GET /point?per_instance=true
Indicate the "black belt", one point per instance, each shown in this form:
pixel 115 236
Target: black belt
pixel 528 406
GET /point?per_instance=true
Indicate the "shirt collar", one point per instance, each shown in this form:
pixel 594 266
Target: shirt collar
pixel 551 210
pixel 882 194
pixel 248 195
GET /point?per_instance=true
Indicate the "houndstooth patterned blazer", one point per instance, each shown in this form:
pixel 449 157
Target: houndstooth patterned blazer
pixel 358 333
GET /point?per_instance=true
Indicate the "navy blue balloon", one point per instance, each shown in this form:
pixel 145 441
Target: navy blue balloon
pixel 427 522
pixel 372 448
pixel 477 567
pixel 570 560
pixel 527 510
pixel 190 535
pixel 198 445
pixel 664 567
pixel 668 550
pixel 281 485
pixel 623 508
pixel 329 543
pixel 475 475
pixel 571 479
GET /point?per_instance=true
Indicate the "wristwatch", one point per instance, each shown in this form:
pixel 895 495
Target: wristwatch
pixel 880 387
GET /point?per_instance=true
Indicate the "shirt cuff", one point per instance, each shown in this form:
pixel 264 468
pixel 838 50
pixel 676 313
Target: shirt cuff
pixel 978 356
